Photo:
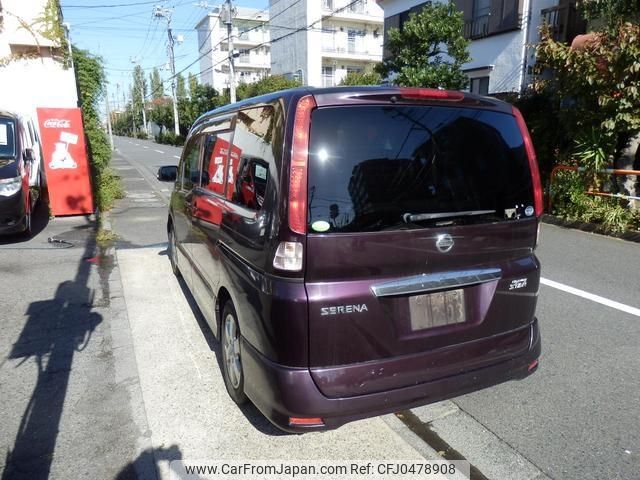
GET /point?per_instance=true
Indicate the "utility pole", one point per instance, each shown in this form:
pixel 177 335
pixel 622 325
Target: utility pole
pixel 227 14
pixel 160 12
pixel 106 104
pixel 144 113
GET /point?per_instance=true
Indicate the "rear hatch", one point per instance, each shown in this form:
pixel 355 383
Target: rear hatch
pixel 419 253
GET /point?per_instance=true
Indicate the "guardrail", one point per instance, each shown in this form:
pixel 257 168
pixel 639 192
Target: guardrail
pixel 613 171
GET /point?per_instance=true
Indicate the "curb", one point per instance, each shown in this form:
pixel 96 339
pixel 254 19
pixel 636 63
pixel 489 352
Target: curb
pixel 590 228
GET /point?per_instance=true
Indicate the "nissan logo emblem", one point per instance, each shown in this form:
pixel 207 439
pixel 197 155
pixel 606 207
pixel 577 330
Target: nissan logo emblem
pixel 444 242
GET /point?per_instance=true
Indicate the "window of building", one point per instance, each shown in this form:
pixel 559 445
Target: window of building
pixel 328 79
pixel 479 85
pixel 327 4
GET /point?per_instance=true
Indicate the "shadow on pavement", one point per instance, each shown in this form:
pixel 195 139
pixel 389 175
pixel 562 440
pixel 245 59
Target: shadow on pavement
pixel 39 221
pixel 253 415
pixel 55 330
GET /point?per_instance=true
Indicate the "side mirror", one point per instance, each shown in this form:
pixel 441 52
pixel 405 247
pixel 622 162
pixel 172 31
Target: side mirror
pixel 168 173
pixel 28 155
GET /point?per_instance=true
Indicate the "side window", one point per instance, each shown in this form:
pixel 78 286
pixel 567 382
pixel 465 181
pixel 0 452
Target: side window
pixel 253 144
pixel 190 170
pixel 216 159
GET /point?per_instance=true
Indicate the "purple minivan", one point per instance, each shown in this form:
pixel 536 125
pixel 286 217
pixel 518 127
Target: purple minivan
pixel 360 250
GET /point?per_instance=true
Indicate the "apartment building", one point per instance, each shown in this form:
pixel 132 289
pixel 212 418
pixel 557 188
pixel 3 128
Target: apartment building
pixel 320 41
pixel 250 36
pixel 502 33
pixel 33 71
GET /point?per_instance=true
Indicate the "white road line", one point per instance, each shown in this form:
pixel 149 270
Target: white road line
pixel 176 156
pixel 590 296
pixel 144 146
pixel 137 144
pixel 159 151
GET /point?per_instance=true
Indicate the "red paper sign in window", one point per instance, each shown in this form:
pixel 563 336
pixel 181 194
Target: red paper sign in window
pixel 65 161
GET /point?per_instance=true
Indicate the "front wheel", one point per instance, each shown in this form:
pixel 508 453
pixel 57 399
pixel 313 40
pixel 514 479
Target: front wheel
pixel 231 359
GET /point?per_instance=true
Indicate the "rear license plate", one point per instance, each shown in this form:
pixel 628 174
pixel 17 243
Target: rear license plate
pixel 437 309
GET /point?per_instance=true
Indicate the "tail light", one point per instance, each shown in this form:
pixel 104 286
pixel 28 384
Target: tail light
pixel 299 165
pixel 533 162
pixel 430 94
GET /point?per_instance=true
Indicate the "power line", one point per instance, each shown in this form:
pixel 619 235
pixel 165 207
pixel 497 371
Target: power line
pixel 112 6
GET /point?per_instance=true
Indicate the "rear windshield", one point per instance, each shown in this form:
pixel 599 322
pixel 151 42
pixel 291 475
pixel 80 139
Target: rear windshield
pixel 380 168
pixel 7 138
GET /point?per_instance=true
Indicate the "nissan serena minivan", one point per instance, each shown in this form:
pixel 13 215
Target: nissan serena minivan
pixel 360 250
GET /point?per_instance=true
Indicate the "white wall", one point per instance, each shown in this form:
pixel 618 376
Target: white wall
pixel 289 54
pixel 26 84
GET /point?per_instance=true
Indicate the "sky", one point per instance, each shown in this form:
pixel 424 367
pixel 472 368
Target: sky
pixel 122 30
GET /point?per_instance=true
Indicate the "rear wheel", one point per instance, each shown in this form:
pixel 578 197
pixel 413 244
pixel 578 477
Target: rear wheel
pixel 173 253
pixel 231 359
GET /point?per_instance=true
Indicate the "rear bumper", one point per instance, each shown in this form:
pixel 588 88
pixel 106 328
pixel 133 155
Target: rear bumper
pixel 281 392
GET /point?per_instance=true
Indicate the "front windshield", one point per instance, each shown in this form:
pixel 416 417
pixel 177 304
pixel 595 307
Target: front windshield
pixel 7 138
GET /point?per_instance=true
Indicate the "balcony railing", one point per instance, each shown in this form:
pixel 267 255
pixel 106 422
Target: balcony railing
pixel 565 22
pixel 485 25
pixel 350 49
pixel 478 27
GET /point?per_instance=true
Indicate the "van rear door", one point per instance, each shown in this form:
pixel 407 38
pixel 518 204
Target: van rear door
pixel 421 231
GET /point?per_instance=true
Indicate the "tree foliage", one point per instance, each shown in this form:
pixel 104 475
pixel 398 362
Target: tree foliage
pixel 155 84
pixel 361 78
pixel 91 79
pixel 270 84
pixel 597 86
pixel 430 49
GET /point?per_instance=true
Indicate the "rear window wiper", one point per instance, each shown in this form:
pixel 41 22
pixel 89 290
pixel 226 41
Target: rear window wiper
pixel 417 217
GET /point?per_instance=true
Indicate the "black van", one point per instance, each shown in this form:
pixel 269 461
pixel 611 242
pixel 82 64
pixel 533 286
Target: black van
pixel 19 169
pixel 360 250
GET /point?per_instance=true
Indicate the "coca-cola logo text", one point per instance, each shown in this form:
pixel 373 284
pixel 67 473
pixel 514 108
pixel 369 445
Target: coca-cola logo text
pixel 57 123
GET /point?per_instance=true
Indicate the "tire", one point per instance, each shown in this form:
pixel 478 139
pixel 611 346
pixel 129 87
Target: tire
pixel 172 251
pixel 27 219
pixel 231 360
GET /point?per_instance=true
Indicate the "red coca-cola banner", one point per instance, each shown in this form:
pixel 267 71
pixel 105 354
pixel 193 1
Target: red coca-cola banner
pixel 65 161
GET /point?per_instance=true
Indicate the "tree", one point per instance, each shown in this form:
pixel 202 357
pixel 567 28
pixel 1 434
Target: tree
pixel 361 78
pixel 598 82
pixel 270 84
pixel 430 49
pixel 91 79
pixel 192 81
pixel 138 93
pixel 155 83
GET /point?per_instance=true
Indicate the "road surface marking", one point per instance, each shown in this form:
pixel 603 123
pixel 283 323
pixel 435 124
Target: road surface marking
pixel 176 156
pixel 144 146
pixel 590 296
pixel 137 144
pixel 159 151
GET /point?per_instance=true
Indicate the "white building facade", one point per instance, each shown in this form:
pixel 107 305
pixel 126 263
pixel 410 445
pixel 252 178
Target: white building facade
pixel 502 34
pixel 32 69
pixel 320 41
pixel 250 37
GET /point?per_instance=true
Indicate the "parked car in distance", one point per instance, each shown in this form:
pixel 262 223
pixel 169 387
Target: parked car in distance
pixel 20 172
pixel 360 250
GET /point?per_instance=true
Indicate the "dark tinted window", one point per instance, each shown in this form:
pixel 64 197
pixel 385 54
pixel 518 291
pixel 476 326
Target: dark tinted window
pixel 253 143
pixel 370 166
pixel 190 164
pixel 7 137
